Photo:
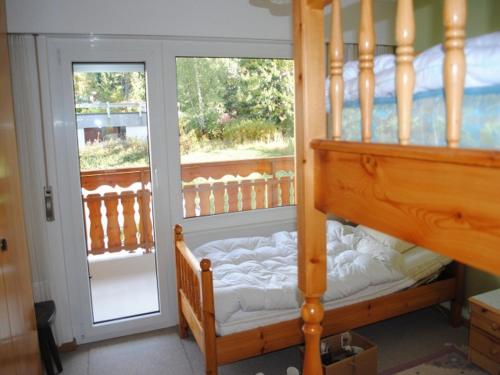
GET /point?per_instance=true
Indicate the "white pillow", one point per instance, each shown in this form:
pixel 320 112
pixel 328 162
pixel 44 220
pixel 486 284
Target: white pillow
pixel 388 240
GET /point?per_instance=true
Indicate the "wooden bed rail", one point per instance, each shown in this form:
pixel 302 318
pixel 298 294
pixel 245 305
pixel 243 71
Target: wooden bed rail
pixel 195 299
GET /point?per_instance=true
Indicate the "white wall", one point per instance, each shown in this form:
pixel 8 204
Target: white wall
pixel 207 18
pixel 253 19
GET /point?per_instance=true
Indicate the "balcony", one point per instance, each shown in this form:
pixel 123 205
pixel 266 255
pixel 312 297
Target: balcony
pixel 117 203
pixel 119 222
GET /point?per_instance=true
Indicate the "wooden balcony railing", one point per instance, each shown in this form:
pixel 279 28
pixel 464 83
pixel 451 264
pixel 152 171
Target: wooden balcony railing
pixel 239 185
pixel 117 203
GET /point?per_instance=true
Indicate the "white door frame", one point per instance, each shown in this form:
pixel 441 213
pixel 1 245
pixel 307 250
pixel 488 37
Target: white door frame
pixel 61 53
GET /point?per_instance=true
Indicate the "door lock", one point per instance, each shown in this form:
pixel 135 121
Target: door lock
pixel 3 244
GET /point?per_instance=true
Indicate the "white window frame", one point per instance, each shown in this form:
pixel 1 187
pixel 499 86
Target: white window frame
pixel 269 217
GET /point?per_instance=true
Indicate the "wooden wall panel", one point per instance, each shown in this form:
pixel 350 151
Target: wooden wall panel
pixel 21 355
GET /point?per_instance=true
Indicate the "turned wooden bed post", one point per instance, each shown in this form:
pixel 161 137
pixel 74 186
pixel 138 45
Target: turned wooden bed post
pixel 183 326
pixel 310 123
pixel 366 74
pixel 207 289
pixel 455 15
pixel 405 73
pixel 336 69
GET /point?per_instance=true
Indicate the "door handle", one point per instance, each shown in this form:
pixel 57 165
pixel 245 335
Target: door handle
pixel 3 244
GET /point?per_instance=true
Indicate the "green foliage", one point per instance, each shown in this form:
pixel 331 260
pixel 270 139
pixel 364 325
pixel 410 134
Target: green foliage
pixel 214 94
pixel 243 131
pixel 114 153
pixel 112 87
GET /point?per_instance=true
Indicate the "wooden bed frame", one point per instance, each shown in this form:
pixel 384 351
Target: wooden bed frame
pixel 197 311
pixel 446 199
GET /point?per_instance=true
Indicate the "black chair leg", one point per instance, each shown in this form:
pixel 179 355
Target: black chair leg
pixel 54 351
pixel 45 351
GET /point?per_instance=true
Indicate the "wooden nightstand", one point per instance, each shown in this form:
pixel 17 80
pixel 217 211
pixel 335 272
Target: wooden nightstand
pixel 484 339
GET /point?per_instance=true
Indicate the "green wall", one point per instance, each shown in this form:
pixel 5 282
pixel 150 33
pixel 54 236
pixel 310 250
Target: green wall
pixel 483 17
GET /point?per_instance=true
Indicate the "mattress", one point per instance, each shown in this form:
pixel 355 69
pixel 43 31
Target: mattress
pixel 481 106
pixel 256 277
pixel 421 264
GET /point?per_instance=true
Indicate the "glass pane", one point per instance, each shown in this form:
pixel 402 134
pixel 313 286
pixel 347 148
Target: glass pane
pixel 236 122
pixel 112 125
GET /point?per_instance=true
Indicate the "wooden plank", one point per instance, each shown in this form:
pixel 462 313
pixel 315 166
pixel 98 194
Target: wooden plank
pixel 189 193
pixel 484 362
pixel 179 236
pixel 193 322
pixel 258 341
pixel 447 207
pixel 219 189
pixel 96 230
pixel 188 256
pixel 484 344
pixel 113 227
pixel 310 120
pixel 368 312
pixel 485 158
pixel 19 353
pixel 242 168
pixel 317 4
pixel 208 317
pixel 129 224
pixel 145 224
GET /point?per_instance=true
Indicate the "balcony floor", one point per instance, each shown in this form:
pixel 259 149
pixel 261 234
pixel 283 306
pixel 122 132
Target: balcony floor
pixel 123 285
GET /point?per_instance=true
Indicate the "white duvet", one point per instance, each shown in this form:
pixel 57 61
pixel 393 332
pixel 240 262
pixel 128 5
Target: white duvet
pixel 260 273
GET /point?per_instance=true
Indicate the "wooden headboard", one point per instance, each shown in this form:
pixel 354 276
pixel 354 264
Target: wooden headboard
pixel 444 198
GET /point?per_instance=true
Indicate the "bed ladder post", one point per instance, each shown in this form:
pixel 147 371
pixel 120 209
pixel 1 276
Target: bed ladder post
pixel 455 15
pixel 310 115
pixel 183 326
pixel 405 73
pixel 458 300
pixel 336 70
pixel 207 291
pixel 366 62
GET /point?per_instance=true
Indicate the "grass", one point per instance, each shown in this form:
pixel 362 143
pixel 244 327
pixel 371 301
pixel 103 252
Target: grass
pixel 114 153
pixel 217 151
pixel 133 152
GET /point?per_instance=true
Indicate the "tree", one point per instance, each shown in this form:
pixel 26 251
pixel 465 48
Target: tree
pixel 212 91
pixel 112 87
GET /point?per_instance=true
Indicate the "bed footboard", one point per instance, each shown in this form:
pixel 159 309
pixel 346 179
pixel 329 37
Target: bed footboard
pixel 195 300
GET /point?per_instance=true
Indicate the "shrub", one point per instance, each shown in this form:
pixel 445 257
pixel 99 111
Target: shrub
pixel 114 153
pixel 244 130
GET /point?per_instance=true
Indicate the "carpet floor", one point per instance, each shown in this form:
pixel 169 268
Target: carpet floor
pixel 448 361
pixel 400 340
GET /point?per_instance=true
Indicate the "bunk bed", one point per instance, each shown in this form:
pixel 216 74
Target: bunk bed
pixel 441 198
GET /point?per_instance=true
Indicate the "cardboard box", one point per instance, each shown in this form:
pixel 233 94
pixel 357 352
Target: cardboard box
pixel 364 363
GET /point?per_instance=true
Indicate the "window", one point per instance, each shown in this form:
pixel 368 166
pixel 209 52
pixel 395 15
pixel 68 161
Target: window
pixel 236 125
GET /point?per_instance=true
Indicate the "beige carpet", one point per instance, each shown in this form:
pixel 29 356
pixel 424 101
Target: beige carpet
pixel 448 361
